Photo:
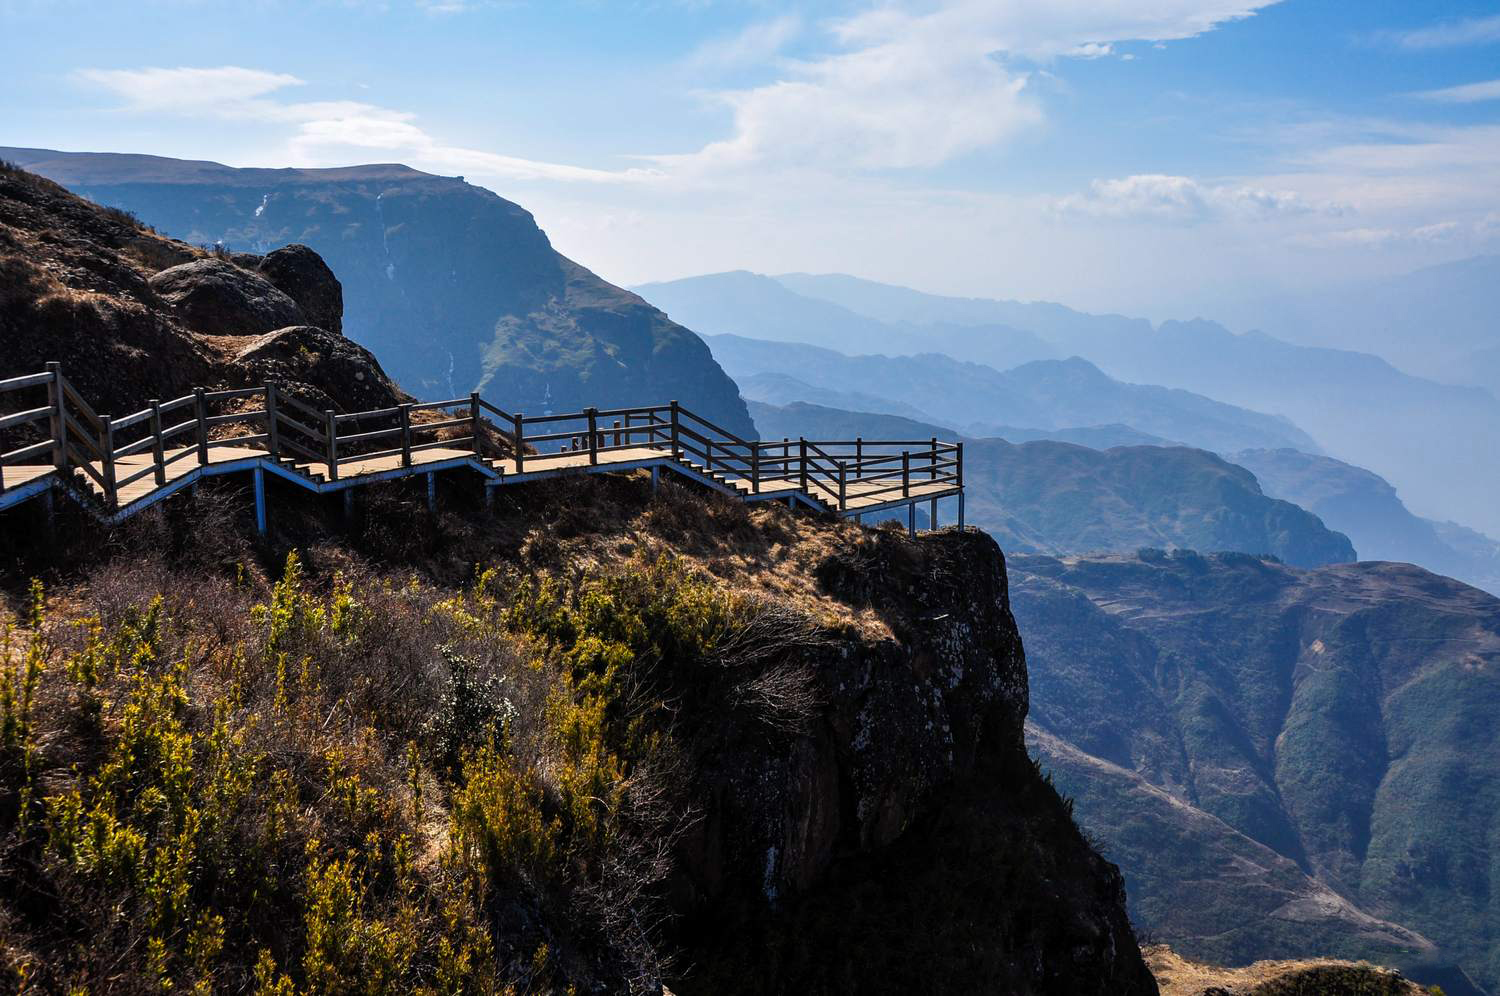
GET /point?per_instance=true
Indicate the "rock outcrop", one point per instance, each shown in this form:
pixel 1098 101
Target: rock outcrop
pixel 904 842
pixel 302 275
pixel 219 298
pixel 132 315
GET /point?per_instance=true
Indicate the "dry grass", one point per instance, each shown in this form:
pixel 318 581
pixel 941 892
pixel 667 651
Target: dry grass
pixel 1177 976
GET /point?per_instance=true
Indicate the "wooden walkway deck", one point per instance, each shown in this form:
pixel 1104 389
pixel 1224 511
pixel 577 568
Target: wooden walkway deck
pixel 117 467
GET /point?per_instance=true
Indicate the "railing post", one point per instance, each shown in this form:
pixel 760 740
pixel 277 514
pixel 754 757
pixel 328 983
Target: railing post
pixel 859 455
pixel 802 464
pixel 933 473
pixel 107 444
pixel 273 435
pixel 406 435
pixel 200 413
pixel 331 443
pixel 906 473
pixel 755 468
pixel 958 454
pixel 58 422
pixel 617 432
pixel 158 452
pixel 518 440
pixel 474 421
pixel 593 414
pixel 843 499
pixel 676 425
pixel 708 456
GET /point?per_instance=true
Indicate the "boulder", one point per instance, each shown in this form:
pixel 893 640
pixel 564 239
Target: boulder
pixel 302 275
pixel 319 367
pixel 216 297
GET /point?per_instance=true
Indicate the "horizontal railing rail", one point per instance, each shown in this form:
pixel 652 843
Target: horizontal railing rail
pixel 198 428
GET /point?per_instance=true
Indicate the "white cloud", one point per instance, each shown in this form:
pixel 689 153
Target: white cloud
pixel 1467 93
pixel 188 89
pixel 755 45
pixel 327 131
pixel 1181 199
pixel 1449 34
pixel 913 85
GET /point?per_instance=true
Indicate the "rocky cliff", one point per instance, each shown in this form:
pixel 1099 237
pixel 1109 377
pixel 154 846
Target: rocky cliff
pixel 455 288
pixel 133 315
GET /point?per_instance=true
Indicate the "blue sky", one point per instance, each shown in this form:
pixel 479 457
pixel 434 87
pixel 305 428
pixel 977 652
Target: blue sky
pixel 1163 157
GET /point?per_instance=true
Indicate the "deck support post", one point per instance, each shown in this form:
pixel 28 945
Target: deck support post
pixel 960 511
pixel 406 435
pixel 911 519
pixel 349 504
pixel 200 415
pixel 655 479
pixel 332 443
pixel 57 424
pixel 933 516
pixel 260 499
pixel 474 421
pixel 158 451
pixel 107 444
pixel 489 497
pixel 518 440
pixel 431 493
pixel 273 436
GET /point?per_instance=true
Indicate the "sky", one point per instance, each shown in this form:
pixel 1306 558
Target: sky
pixel 1164 158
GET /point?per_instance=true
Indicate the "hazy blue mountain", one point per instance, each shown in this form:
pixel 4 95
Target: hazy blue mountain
pixel 1048 496
pixel 1046 394
pixel 1432 440
pixel 784 389
pixel 1432 321
pixel 455 288
pixel 1363 506
pixel 1343 718
pixel 758 307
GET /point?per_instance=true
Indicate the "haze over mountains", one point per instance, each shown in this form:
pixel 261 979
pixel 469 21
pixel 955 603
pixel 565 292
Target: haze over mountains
pixel 1433 441
pixel 1043 394
pixel 455 288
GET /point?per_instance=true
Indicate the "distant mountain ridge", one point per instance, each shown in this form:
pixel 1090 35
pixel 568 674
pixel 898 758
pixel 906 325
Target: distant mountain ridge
pixel 1044 394
pixel 1430 439
pixel 1366 508
pixel 456 288
pixel 1050 496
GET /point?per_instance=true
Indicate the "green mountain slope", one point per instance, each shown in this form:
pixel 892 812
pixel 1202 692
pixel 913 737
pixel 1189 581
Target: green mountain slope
pixel 1050 496
pixel 1341 717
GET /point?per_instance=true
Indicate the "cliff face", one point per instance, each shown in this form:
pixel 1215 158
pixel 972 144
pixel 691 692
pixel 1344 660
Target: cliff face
pixel 904 842
pixel 455 288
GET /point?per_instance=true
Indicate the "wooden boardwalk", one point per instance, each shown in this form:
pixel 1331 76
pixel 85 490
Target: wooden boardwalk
pixel 116 467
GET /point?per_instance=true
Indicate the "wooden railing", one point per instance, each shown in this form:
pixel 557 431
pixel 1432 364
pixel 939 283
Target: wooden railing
pixel 76 439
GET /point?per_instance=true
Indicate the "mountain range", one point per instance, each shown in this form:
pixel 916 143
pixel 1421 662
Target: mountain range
pixel 454 287
pixel 1043 394
pixel 1429 439
pixel 1053 496
pixel 1321 745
